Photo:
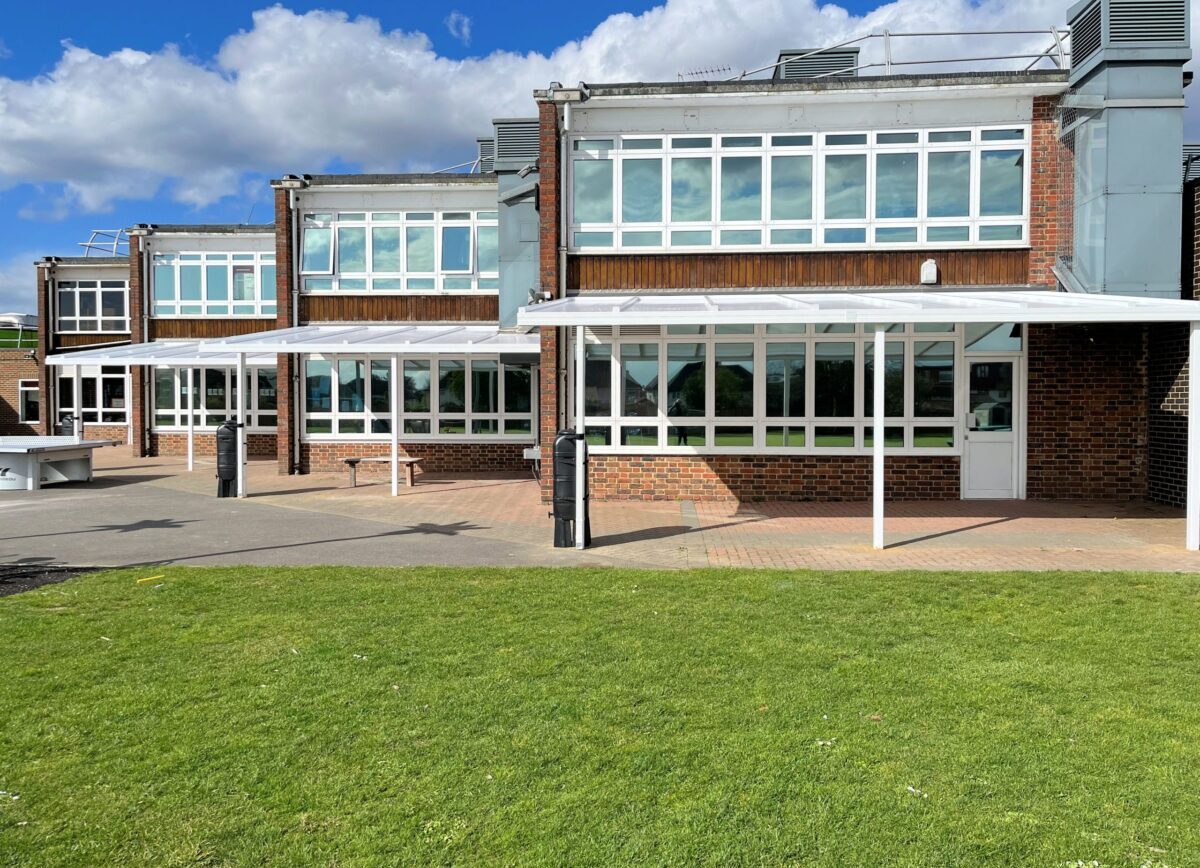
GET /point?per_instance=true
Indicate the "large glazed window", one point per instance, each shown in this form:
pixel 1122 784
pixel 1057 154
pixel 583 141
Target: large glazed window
pixel 784 387
pixel 440 399
pixel 213 284
pixel 400 251
pixel 98 394
pixel 952 187
pixel 91 306
pixel 214 398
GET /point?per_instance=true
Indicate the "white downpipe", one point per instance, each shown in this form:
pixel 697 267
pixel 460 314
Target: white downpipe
pixel 877 447
pixel 580 474
pixel 191 411
pixel 1193 440
pixel 241 419
pixel 395 426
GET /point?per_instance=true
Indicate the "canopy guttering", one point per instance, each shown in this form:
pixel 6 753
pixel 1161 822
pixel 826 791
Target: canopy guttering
pixel 1017 306
pixel 381 340
pixel 169 354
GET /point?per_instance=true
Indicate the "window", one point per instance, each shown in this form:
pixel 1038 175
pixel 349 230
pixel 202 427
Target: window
pixel 29 401
pixel 439 398
pixel 214 397
pixel 98 397
pixel 213 284
pixel 911 188
pixel 393 251
pixel 92 305
pixel 744 388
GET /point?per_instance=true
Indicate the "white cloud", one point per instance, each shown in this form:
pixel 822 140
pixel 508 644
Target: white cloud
pixel 4 50
pixel 459 26
pixel 295 92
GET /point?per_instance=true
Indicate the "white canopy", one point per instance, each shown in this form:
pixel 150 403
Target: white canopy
pixel 1023 306
pixel 172 354
pixel 381 340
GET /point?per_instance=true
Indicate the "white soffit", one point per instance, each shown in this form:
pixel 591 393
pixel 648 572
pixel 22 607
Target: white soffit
pixel 175 354
pixel 1024 306
pixel 388 340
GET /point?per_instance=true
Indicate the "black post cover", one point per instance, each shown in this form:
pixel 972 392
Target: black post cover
pixel 227 436
pixel 564 491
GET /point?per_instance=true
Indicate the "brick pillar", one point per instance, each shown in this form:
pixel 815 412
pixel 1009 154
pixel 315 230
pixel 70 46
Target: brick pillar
pixel 44 347
pixel 288 413
pixel 1051 175
pixel 550 181
pixel 139 332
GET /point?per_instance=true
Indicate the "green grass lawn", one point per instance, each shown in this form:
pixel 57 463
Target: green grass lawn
pixel 600 717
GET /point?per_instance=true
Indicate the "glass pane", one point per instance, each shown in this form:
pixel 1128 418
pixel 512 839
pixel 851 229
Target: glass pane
pixel 639 366
pixel 487 238
pixel 592 191
pixel 597 436
pixel 741 141
pixel 693 238
pixel 352 249
pixel 896 185
pixel 485 426
pixel 456 248
pixel 164 283
pixel 785 436
pixel 350 426
pixel 845 186
pixel 896 234
pixel 485 386
pixel 1000 233
pixel 318 386
pixel 419 249
pixel 832 438
pixel 597 394
pixel 518 426
pixel 266 394
pixel 791 141
pixel 893 438
pixel 351 388
pixel 893 380
pixel 834 387
pixel 950 136
pixel 112 303
pixel 733 380
pixel 785 379
pixel 1001 183
pixel 791 236
pixel 214 389
pixel 791 188
pixel 846 139
pixel 452 426
pixel 641 239
pixel 641 144
pixel 992 396
pixel 87 303
pixel 66 299
pixel 933 438
pixel 317 249
pixel 896 138
pixel 164 391
pixel 593 239
pixel 686 436
pixel 692 142
pixel 741 188
pixel 518 389
pixel 452 386
pixel 933 378
pixel 639 436
pixel 416 387
pixel 735 237
pixel 593 144
pixel 416 426
pixel 381 386
pixel 685 379
pixel 189 282
pixel 741 435
pixel 949 184
pixel 691 189
pixel 845 236
pixel 992 338
pixel 948 233
pixel 1002 135
pixel 218 282
pixel 641 191
pixel 385 248
pixel 243 282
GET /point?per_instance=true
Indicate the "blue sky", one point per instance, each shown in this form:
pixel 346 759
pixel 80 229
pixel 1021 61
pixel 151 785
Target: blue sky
pixel 181 112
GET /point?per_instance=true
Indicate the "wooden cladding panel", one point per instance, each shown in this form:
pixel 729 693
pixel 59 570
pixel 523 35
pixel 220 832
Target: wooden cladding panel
pixel 169 329
pixel 399 308
pixel 741 270
pixel 93 339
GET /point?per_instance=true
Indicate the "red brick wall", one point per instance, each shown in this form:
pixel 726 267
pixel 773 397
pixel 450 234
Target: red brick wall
pixel 768 477
pixel 438 457
pixel 97 431
pixel 205 444
pixel 549 203
pixel 1166 473
pixel 284 283
pixel 1050 179
pixel 1087 412
pixel 137 374
pixel 14 367
pixel 45 324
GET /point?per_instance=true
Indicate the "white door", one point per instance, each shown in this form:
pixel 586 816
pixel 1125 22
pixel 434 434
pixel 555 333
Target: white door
pixel 990 459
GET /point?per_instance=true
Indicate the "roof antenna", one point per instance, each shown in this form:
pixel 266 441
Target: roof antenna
pixel 251 214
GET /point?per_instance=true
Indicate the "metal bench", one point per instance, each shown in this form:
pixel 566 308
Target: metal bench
pixel 409 464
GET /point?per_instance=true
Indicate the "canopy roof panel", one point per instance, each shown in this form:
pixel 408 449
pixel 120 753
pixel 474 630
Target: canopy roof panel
pixel 1026 306
pixel 397 339
pixel 174 354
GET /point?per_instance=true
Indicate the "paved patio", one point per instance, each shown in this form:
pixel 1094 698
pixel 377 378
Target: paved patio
pixel 152 511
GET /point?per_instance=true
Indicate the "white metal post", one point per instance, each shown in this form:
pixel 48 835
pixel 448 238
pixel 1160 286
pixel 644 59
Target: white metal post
pixel 877 448
pixel 241 420
pixel 191 413
pixel 395 426
pixel 1193 440
pixel 579 445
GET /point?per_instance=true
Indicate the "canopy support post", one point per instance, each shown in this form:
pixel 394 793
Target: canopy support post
pixel 241 424
pixel 877 446
pixel 395 426
pixel 580 471
pixel 191 416
pixel 1193 440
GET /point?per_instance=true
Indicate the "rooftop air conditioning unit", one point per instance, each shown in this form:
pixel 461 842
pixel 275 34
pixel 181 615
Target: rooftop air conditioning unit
pixel 1126 30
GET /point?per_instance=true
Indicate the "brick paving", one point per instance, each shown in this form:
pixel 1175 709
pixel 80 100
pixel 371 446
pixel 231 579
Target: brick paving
pixel 934 535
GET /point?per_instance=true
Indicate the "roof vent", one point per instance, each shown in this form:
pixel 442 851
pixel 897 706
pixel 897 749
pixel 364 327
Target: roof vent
pixel 487 154
pixel 517 139
pixel 1141 22
pixel 1086 33
pixel 801 63
pixel 1128 31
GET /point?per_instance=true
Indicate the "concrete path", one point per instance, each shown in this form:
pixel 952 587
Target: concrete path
pixel 152 511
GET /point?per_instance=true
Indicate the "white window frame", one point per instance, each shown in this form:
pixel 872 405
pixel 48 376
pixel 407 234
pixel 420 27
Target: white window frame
pixel 434 416
pixel 471 280
pixel 818 224
pixel 860 421
pixel 208 420
pixel 262 306
pixel 104 324
pixel 24 387
pixel 99 373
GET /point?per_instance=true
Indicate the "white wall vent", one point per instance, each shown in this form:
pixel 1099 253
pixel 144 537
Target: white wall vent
pixel 827 63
